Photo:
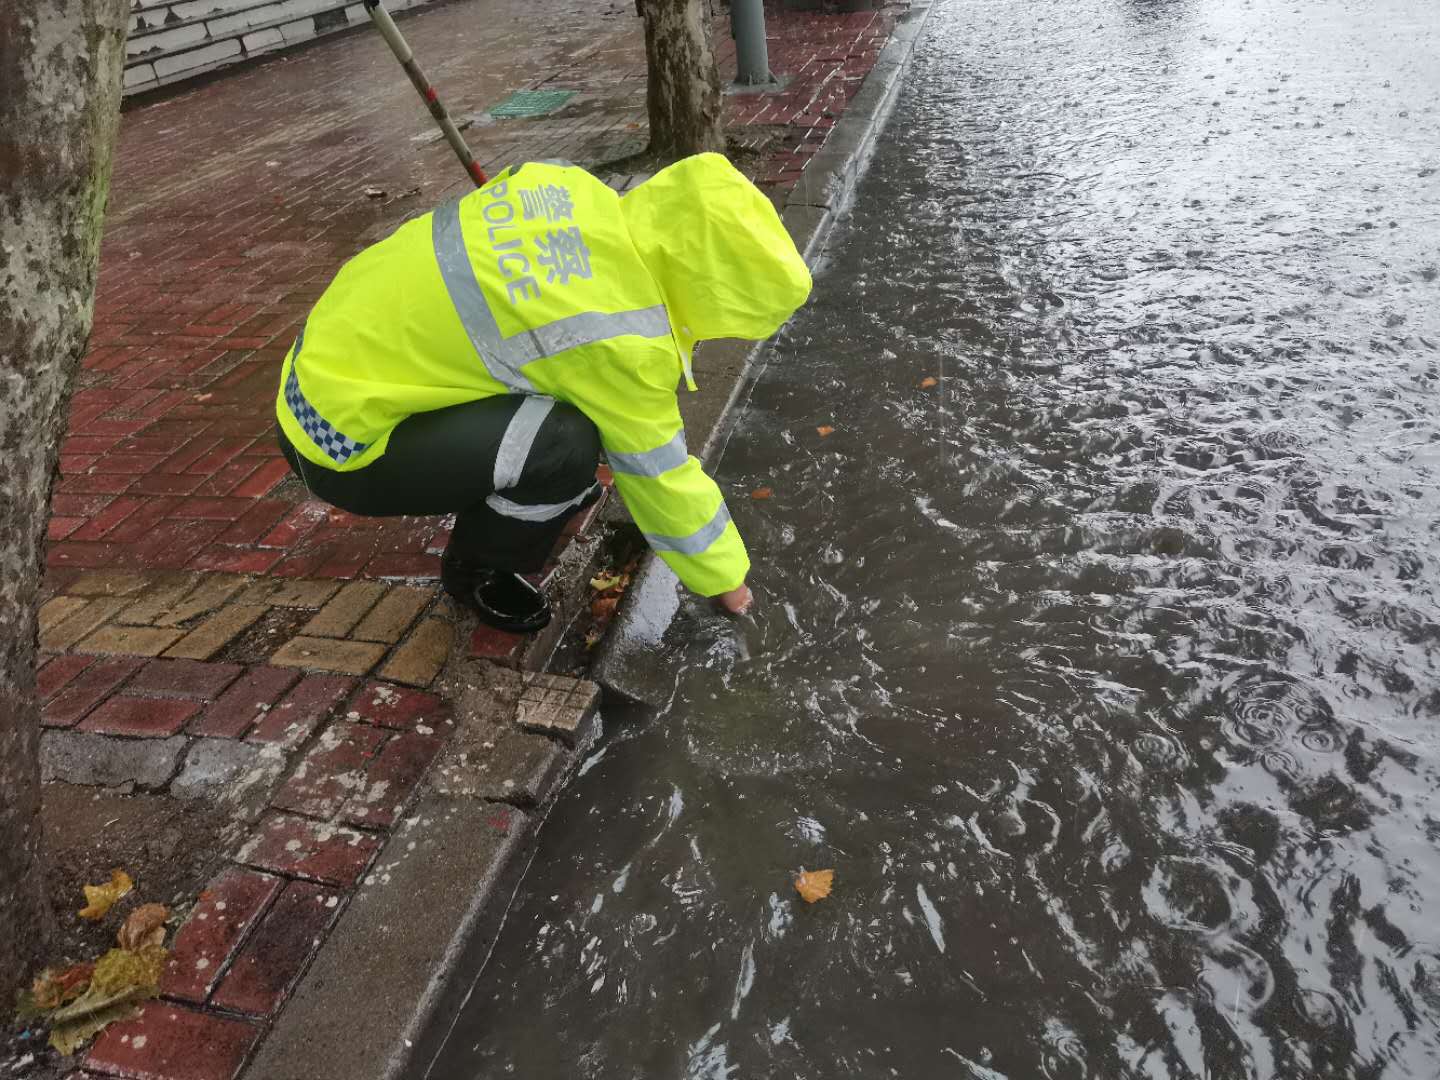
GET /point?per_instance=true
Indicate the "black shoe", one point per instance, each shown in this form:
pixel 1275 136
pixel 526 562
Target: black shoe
pixel 501 598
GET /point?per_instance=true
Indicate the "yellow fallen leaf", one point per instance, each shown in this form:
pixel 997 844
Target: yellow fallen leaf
pixel 122 969
pixel 761 493
pixel 606 582
pixel 145 926
pixel 69 1037
pixel 928 382
pixel 99 899
pixel 825 431
pixel 814 885
pixel 121 979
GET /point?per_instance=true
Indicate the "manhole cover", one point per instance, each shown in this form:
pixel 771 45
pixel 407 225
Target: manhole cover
pixel 526 103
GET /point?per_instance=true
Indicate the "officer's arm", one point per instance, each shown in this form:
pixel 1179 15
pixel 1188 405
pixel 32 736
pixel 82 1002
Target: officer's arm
pixel 676 505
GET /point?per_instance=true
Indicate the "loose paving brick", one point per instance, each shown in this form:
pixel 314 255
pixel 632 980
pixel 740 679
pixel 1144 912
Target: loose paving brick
pixel 57 609
pixel 235 560
pixel 140 716
pixel 391 617
pixel 228 770
pixel 76 555
pixel 487 643
pixel 86 691
pixel 422 655
pixel 327 654
pixel 216 632
pixel 338 617
pixel 281 593
pixel 80 758
pixel 57 672
pixel 263 480
pixel 211 591
pixel 61 527
pixel 130 640
pixel 157 600
pixel 184 678
pixel 67 624
pixel 298 524
pixel 397 707
pixel 201 951
pixel 301 711
pixel 108 583
pixel 503 764
pixel 235 711
pixel 272 959
pixel 404 566
pixel 557 705
pixel 254 523
pixel 172 1042
pixel 332 771
pixel 391 779
pixel 298 847
pixel 135 533
pixel 521 769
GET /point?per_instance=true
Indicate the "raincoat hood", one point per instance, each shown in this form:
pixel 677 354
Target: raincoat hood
pixel 718 251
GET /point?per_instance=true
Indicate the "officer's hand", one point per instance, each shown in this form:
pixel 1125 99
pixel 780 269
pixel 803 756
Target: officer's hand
pixel 736 601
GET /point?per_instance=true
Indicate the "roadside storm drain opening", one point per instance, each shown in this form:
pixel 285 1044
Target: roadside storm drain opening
pixel 527 104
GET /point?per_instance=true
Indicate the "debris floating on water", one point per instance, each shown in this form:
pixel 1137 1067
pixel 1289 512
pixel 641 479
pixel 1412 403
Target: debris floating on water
pixel 813 885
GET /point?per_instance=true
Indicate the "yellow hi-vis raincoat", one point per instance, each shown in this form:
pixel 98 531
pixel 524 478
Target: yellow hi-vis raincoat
pixel 546 282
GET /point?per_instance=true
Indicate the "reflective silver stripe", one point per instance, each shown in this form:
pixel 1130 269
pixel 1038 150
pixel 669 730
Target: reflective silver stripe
pixel 504 357
pixel 696 542
pixel 519 437
pixel 499 356
pixel 652 462
pixel 537 512
pixel 588 327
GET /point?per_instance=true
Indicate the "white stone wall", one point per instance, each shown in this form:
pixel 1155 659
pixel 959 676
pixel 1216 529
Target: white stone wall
pixel 172 40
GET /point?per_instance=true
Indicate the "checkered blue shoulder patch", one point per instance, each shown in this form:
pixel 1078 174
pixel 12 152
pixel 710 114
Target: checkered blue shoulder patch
pixel 337 446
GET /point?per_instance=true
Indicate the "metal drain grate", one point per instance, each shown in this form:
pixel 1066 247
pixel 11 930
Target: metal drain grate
pixel 524 104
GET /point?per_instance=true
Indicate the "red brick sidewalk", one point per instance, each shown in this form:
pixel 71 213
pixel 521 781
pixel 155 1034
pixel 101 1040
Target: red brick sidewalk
pixel 203 609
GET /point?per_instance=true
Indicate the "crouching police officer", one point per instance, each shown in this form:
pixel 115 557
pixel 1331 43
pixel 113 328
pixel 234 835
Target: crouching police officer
pixel 477 361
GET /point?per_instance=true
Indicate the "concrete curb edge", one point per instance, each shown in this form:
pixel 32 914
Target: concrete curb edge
pixel 382 994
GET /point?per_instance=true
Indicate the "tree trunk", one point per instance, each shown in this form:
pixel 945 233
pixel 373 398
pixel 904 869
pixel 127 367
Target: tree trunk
pixel 60 63
pixel 684 90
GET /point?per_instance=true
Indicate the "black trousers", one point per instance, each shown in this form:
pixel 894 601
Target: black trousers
pixel 513 470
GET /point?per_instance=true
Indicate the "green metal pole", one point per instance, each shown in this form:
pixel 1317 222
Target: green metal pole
pixel 752 52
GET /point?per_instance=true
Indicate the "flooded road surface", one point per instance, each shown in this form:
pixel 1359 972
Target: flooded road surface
pixel 1104 670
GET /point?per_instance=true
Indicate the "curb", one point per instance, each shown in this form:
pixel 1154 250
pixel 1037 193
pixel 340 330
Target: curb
pixel 381 996
pixel 624 665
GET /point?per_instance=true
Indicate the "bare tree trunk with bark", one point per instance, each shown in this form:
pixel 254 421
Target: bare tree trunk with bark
pixel 683 96
pixel 60 64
